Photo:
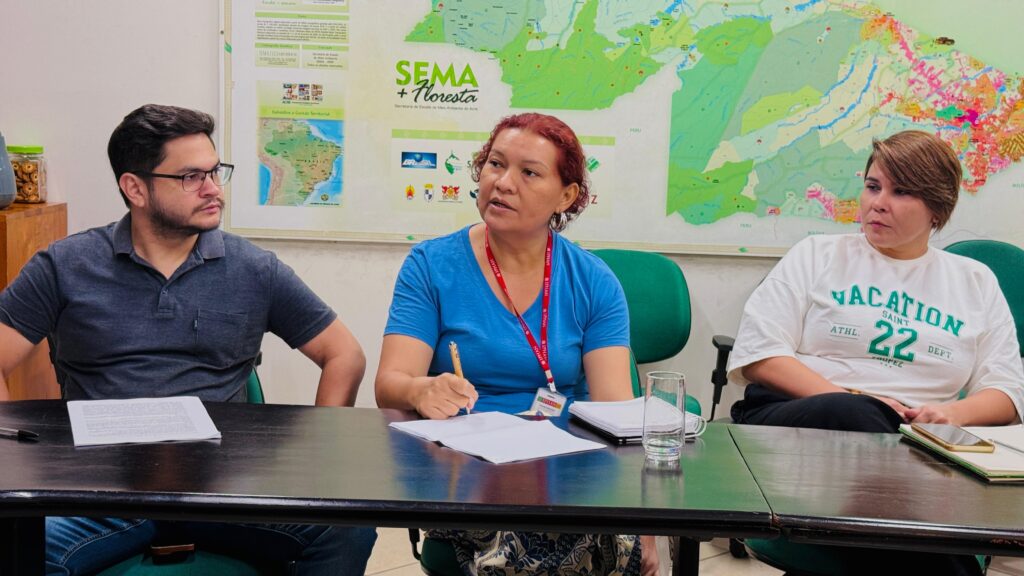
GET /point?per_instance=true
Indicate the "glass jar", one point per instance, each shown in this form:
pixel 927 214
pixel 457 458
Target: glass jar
pixel 29 173
pixel 7 188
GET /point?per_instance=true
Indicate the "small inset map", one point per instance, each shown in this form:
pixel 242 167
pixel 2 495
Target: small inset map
pixel 300 161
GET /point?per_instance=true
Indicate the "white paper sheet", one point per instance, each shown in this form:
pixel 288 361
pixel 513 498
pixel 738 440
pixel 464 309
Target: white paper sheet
pixel 475 423
pixel 1011 437
pixel 499 438
pixel 95 422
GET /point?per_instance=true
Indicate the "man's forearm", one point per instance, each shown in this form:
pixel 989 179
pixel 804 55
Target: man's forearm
pixel 340 379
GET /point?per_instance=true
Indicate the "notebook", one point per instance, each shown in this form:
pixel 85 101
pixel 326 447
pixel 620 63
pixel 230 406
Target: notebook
pixel 1004 464
pixel 623 422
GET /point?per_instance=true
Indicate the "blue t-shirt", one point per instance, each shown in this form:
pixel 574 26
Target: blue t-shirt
pixel 441 295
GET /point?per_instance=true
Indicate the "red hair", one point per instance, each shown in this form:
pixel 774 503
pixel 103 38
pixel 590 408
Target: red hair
pixel 571 163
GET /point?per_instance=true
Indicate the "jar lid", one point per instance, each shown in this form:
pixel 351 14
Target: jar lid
pixel 25 149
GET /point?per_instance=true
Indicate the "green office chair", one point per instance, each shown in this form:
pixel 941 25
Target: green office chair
pixel 200 561
pixel 659 326
pixel 1007 262
pixel 659 309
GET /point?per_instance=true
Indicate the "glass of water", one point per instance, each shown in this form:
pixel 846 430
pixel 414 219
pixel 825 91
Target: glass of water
pixel 664 416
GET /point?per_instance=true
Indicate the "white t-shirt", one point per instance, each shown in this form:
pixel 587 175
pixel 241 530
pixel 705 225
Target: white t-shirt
pixel 918 331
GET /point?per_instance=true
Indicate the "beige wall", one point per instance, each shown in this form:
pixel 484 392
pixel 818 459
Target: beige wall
pixel 73 69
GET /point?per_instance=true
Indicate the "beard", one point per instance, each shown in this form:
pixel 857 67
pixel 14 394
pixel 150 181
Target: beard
pixel 171 225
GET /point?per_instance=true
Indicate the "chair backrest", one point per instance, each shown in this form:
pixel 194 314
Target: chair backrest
pixel 1007 262
pixel 254 389
pixel 253 386
pixel 659 304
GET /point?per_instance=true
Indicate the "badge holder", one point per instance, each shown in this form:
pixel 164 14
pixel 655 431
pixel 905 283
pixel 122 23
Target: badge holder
pixel 548 403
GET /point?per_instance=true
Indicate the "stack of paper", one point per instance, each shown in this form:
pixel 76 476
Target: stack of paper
pixel 1005 464
pixel 140 420
pixel 498 437
pixel 625 420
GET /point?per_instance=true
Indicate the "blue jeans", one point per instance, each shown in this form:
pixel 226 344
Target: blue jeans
pixel 85 545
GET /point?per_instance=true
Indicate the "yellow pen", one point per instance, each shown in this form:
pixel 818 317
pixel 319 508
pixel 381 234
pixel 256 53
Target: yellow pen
pixel 456 363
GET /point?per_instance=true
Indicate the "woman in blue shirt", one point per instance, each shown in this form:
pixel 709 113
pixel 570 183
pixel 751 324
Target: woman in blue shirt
pixel 528 309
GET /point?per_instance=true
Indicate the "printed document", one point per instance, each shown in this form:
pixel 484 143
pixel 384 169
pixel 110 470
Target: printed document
pixel 498 437
pixel 95 422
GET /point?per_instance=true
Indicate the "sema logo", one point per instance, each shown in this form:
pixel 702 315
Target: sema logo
pixel 436 83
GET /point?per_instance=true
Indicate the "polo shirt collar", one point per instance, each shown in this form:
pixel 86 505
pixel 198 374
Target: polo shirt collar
pixel 210 244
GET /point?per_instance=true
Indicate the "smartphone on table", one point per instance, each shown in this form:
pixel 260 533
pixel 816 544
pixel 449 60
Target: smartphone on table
pixel 953 438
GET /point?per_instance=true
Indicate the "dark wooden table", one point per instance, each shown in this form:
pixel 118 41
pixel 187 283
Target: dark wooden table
pixel 345 466
pixel 874 490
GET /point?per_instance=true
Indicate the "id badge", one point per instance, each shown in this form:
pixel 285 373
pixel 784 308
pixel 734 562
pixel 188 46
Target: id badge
pixel 548 403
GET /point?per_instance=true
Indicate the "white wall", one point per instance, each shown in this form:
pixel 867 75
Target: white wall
pixel 72 69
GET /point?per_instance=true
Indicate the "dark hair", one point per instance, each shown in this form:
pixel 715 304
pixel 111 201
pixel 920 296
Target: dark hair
pixel 571 163
pixel 137 144
pixel 921 164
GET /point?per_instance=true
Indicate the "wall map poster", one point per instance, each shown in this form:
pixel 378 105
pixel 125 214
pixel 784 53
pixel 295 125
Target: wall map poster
pixel 709 126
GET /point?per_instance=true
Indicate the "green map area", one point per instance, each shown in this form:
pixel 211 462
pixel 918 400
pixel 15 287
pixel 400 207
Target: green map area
pixel 775 104
pixel 298 160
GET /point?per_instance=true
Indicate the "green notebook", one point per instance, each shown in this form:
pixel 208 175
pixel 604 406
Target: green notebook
pixel 1005 464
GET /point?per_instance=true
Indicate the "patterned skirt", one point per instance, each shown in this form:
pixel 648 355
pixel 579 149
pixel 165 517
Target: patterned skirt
pixel 484 553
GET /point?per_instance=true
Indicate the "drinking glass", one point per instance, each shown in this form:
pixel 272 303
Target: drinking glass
pixel 664 415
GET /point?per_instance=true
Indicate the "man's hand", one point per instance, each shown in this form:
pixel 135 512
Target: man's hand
pixel 444 396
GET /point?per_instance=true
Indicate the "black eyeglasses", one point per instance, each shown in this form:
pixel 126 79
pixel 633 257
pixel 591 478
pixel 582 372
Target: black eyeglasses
pixel 192 181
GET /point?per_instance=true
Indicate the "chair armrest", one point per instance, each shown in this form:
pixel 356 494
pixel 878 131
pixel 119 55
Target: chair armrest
pixel 719 377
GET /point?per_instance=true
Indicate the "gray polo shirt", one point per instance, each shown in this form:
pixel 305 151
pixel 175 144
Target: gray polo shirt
pixel 119 329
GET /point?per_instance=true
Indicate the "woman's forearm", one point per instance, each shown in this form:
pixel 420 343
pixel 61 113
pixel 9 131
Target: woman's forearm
pixel 789 376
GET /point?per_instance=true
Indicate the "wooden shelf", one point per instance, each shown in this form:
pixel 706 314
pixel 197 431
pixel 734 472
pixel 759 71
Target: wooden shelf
pixel 24 230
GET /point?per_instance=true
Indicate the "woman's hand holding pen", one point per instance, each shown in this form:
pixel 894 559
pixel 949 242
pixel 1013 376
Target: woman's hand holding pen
pixel 443 397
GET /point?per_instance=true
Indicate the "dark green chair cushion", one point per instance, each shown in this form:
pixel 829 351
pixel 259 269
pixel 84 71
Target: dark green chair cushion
pixel 813 559
pixel 437 558
pixel 198 564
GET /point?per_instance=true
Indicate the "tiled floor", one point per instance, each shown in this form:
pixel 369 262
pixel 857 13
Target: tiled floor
pixel 393 557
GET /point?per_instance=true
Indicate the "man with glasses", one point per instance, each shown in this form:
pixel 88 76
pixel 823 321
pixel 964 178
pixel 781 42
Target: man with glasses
pixel 163 303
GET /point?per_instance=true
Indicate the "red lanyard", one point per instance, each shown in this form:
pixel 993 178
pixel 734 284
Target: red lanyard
pixel 541 351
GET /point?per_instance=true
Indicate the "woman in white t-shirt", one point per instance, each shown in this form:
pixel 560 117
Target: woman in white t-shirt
pixel 864 332
pixel 867 331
